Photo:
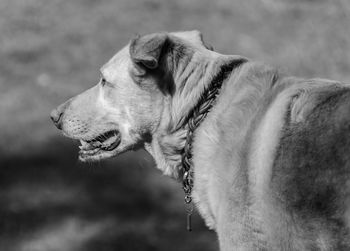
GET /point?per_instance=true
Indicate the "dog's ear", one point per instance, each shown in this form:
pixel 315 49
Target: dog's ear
pixel 206 45
pixel 146 50
pixel 195 36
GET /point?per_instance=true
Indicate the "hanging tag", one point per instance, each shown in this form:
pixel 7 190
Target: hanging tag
pixel 189 217
pixel 189 222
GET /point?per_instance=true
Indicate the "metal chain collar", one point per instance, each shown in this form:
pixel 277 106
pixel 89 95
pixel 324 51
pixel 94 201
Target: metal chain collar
pixel 197 115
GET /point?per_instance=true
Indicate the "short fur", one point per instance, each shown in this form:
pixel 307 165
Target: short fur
pixel 271 159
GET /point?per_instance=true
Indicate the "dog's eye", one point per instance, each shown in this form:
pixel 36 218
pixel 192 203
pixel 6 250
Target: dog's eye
pixel 103 81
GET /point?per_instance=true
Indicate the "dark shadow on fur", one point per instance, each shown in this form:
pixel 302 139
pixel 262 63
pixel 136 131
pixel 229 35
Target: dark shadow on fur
pixel 312 168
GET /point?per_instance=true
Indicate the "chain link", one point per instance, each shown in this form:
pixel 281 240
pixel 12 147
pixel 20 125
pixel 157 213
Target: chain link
pixel 197 116
pixel 195 119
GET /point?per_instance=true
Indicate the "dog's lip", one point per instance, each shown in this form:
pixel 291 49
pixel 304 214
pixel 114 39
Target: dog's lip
pixel 104 142
pixel 103 136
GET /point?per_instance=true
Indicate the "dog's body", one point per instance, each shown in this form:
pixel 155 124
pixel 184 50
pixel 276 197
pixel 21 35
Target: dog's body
pixel 271 165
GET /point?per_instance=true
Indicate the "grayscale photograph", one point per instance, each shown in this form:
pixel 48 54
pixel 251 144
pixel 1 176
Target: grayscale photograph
pixel 175 125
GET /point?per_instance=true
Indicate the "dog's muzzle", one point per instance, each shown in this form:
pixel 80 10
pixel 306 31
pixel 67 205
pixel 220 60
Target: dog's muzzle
pixel 107 141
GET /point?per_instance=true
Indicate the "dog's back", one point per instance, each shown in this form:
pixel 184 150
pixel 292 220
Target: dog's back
pixel 283 147
pixel 310 177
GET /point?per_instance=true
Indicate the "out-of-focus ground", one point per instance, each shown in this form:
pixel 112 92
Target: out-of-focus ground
pixel 51 50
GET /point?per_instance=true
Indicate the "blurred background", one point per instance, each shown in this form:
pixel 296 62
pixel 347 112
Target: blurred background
pixel 51 50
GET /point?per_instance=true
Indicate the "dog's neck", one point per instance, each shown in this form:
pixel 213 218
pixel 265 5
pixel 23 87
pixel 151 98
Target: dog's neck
pixel 192 77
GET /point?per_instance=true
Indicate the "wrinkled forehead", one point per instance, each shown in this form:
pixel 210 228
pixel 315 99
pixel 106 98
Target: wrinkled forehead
pixel 116 65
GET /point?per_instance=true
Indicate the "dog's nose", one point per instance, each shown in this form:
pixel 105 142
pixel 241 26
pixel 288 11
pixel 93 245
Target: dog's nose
pixel 57 114
pixel 56 117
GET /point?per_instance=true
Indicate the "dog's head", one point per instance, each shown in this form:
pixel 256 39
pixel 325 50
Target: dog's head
pixel 127 106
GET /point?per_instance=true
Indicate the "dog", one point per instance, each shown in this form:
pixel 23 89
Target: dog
pixel 270 157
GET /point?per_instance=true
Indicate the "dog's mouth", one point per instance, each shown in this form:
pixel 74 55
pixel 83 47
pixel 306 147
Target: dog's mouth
pixel 104 142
